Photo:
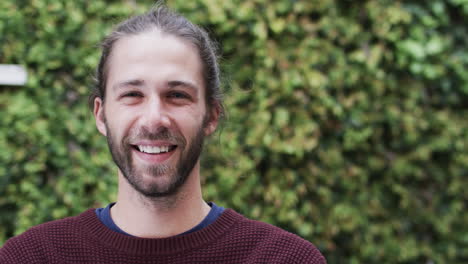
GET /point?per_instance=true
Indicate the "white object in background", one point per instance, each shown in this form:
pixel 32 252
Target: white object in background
pixel 11 74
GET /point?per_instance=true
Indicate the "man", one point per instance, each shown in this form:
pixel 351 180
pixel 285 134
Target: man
pixel 157 98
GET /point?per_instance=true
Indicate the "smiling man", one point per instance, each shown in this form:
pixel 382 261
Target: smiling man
pixel 157 98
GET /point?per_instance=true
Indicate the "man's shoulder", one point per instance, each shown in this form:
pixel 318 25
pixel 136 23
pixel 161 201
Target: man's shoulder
pixel 58 226
pixel 271 240
pixel 274 234
pixel 36 237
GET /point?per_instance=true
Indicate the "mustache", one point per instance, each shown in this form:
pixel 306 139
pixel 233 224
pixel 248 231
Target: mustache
pixel 161 133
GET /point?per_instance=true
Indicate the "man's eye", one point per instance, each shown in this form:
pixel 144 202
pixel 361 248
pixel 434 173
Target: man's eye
pixel 179 95
pixel 132 94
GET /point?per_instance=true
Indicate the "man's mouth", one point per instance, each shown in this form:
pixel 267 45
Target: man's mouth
pixel 154 149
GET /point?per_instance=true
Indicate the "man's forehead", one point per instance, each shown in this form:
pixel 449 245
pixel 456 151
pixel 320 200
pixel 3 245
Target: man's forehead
pixel 154 39
pixel 136 58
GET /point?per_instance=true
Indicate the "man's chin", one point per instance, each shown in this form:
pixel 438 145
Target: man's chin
pixel 156 191
pixel 155 185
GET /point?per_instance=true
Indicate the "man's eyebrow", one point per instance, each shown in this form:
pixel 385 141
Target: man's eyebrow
pixel 175 83
pixel 135 82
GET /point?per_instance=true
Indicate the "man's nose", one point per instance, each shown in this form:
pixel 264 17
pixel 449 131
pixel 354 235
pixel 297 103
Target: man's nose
pixel 156 113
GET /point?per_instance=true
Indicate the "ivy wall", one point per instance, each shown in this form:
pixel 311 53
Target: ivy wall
pixel 346 120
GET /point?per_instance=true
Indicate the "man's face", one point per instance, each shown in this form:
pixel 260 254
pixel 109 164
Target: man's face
pixel 154 115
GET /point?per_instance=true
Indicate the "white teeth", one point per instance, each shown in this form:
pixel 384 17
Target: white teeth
pixel 153 149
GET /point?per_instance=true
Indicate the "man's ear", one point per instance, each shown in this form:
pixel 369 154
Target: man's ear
pixel 213 117
pixel 99 115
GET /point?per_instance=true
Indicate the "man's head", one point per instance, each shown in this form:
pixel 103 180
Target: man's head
pixel 173 24
pixel 157 97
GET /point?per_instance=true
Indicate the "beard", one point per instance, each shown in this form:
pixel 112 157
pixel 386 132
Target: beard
pixel 176 175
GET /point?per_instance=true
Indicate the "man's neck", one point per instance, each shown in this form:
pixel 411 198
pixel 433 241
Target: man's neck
pixel 159 218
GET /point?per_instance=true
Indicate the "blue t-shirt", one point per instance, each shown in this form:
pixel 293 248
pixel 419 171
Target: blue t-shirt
pixel 104 215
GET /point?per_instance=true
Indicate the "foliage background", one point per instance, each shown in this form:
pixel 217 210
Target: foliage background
pixel 346 120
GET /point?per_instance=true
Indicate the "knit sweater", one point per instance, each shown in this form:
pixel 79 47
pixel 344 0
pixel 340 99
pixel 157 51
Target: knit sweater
pixel 232 238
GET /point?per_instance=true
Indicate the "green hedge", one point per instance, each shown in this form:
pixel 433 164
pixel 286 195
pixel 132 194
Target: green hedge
pixel 347 120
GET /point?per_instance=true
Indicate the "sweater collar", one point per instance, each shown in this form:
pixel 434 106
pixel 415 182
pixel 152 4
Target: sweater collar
pixel 97 231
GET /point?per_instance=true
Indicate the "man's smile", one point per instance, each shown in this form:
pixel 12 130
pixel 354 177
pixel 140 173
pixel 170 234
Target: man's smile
pixel 154 152
pixel 154 149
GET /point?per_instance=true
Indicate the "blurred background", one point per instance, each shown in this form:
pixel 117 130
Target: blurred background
pixel 346 119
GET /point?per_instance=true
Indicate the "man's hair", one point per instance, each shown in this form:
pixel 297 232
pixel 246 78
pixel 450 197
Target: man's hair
pixel 162 18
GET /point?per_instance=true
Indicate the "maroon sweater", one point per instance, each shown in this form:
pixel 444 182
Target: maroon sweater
pixel 232 238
